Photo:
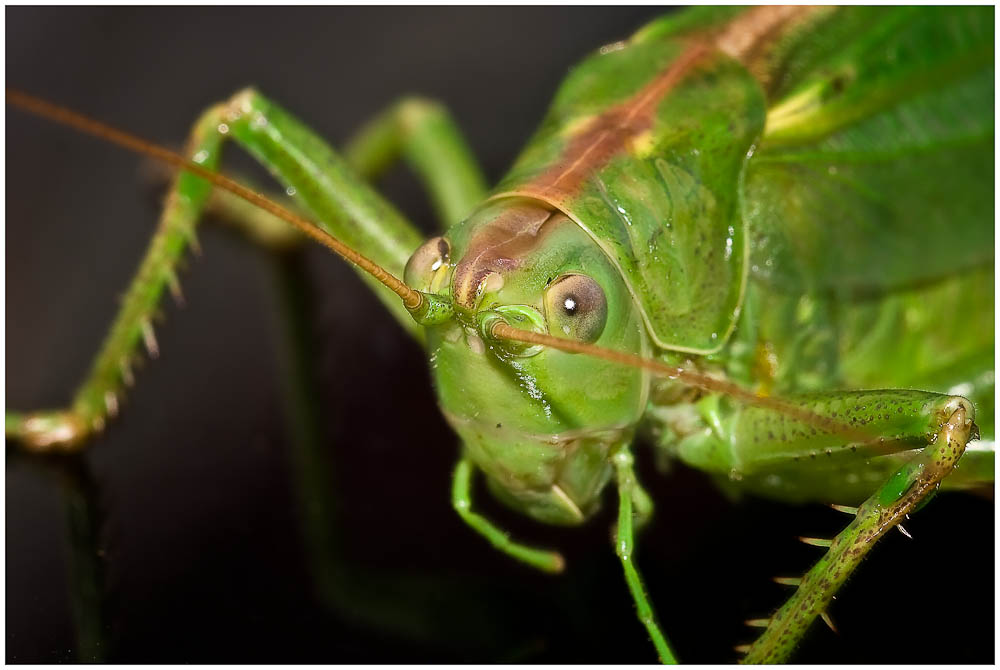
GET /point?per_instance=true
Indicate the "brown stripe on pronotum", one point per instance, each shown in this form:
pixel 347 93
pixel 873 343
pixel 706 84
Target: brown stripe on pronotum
pixel 748 39
pixel 610 133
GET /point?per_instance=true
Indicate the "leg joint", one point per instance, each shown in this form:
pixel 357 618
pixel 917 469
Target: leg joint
pixel 241 102
pixel 462 506
pixel 412 111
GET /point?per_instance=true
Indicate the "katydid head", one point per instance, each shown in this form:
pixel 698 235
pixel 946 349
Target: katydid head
pixel 542 366
pixel 538 421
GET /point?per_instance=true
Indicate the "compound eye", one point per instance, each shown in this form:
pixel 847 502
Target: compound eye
pixel 575 307
pixel 428 265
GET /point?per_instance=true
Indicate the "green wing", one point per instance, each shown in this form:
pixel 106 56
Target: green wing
pixel 876 166
pixel 869 206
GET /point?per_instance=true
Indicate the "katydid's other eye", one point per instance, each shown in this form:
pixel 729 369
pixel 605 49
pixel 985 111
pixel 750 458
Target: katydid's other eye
pixel 575 307
pixel 427 266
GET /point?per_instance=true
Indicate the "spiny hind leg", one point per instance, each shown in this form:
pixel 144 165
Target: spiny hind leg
pixel 857 431
pixel 340 199
pixel 904 492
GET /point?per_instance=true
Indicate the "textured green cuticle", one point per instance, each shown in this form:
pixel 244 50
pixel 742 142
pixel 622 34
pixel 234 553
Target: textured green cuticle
pixel 898 485
pixel 433 310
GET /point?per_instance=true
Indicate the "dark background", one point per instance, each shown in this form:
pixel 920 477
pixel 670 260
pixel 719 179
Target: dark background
pixel 192 489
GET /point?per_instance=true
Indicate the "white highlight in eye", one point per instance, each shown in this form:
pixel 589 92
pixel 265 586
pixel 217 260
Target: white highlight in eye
pixel 437 264
pixel 569 304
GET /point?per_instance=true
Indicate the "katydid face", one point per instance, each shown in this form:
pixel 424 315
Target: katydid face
pixel 540 422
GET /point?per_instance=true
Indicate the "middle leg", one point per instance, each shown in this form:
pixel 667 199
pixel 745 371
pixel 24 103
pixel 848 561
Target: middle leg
pixel 630 493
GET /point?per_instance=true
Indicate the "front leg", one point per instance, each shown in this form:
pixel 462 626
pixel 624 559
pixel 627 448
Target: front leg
pixel 341 201
pixel 461 499
pixel 112 370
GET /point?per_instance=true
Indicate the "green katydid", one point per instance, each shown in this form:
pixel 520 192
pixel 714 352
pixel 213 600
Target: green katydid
pixel 743 92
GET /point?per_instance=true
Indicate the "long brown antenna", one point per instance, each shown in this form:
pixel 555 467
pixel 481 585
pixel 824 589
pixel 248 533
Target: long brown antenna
pixel 694 379
pixel 411 298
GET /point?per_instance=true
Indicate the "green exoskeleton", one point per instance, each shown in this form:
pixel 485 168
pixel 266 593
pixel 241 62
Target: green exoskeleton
pixel 729 200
